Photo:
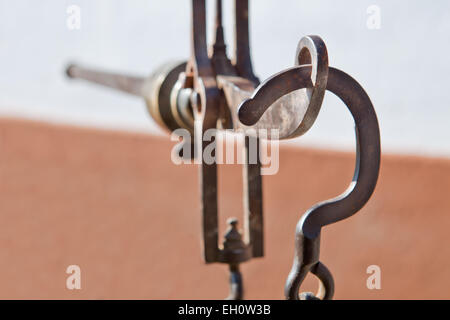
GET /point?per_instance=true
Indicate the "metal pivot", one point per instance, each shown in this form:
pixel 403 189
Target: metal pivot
pixel 182 94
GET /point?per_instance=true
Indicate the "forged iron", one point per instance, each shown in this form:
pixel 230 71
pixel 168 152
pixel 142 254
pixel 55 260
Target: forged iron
pixel 360 189
pixel 215 92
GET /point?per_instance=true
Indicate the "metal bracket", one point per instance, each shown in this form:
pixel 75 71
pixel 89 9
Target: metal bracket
pixel 211 91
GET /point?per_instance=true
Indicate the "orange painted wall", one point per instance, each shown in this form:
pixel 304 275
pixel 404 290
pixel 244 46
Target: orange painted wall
pixel 114 204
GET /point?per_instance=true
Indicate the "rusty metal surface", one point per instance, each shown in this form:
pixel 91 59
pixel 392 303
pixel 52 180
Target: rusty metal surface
pixel 355 197
pixel 210 112
pixel 212 91
pixel 295 116
pixel 284 116
pixel 242 57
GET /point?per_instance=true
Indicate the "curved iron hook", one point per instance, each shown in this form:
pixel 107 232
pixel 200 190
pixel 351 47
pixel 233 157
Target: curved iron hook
pixel 362 185
pixel 311 50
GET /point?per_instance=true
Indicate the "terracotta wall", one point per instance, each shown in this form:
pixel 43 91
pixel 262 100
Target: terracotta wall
pixel 114 204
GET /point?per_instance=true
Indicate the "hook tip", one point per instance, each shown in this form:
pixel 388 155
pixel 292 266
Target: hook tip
pixel 245 115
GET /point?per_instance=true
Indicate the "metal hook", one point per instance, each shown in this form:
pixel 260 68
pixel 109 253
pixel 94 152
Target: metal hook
pixel 365 176
pixel 360 189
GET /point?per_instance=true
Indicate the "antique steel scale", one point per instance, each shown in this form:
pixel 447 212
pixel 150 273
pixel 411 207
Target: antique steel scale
pixel 210 91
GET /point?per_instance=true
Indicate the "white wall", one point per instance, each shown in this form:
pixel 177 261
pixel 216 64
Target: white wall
pixel 404 66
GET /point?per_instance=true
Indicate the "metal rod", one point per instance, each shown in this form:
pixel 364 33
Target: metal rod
pixel 129 84
pixel 236 286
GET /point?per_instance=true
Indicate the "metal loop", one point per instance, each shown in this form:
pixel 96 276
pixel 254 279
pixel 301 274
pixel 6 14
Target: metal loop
pixel 326 281
pixel 302 266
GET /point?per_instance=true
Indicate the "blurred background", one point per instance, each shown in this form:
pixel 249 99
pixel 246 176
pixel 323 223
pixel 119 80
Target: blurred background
pixel 86 176
pixel 401 65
